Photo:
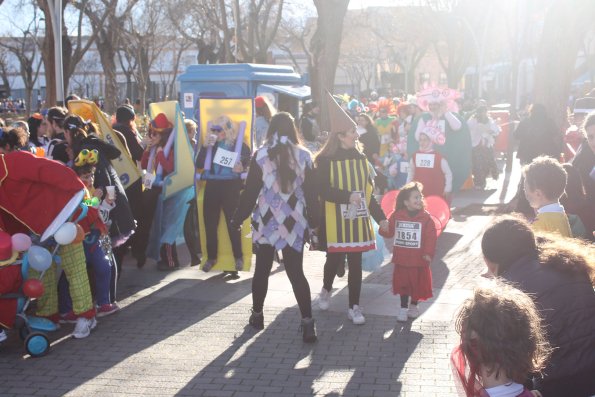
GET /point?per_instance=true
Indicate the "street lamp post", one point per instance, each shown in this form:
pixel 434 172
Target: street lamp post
pixel 55 8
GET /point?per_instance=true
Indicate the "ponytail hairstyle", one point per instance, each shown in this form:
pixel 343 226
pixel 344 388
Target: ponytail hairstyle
pixel 79 130
pixel 56 115
pixel 405 193
pixel 281 137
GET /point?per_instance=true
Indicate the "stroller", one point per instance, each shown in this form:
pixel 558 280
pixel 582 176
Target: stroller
pixel 14 303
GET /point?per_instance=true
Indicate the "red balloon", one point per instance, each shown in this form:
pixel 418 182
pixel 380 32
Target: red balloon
pixel 388 202
pixel 33 288
pixel 440 211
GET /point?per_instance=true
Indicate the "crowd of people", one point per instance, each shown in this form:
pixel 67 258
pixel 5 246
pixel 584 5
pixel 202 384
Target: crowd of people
pixel 304 186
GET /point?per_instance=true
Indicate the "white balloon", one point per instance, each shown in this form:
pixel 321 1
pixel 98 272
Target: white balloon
pixel 65 234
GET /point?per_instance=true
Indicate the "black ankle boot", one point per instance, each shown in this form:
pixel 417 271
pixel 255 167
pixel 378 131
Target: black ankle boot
pixel 256 320
pixel 308 330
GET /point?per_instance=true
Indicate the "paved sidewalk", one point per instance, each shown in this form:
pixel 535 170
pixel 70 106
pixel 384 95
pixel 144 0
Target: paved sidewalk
pixel 185 334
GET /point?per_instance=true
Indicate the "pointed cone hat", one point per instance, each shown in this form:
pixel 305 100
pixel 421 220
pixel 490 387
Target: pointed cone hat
pixel 340 121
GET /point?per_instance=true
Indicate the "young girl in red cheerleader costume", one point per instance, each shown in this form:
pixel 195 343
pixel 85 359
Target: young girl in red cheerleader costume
pixel 414 244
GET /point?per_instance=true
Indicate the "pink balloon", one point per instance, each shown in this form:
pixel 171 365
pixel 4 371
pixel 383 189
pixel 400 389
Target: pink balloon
pixel 21 242
pixel 439 209
pixel 388 202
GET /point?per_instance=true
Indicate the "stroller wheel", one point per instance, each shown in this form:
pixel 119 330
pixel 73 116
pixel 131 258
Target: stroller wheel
pixel 37 344
pixel 24 331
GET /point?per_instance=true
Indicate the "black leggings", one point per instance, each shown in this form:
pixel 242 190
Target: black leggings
pixel 354 278
pixel 405 301
pixel 293 262
pixel 221 195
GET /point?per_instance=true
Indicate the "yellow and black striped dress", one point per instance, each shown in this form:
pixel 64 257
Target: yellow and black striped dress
pixel 343 234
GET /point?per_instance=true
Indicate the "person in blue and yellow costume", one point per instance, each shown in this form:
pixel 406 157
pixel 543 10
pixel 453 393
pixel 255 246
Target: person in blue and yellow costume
pixel 346 182
pixel 223 171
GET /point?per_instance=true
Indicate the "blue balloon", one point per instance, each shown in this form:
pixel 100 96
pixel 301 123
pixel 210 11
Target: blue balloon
pixel 40 258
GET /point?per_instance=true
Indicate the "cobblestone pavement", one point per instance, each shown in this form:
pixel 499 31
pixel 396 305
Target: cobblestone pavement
pixel 185 334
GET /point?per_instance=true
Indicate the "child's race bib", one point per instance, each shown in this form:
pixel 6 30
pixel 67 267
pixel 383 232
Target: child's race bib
pixel 425 160
pixel 225 158
pixel 148 180
pixel 350 212
pixel 408 234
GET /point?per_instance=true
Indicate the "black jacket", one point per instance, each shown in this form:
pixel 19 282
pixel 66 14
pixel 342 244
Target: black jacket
pixel 122 220
pixel 566 301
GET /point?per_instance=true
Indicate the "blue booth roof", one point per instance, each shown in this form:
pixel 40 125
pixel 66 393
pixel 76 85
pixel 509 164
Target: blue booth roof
pixel 268 74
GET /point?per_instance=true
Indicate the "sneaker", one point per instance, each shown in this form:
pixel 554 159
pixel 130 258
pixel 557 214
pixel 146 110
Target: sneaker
pixel 68 318
pixel 83 327
pixel 107 309
pixel 402 316
pixel 195 260
pixel 324 299
pixel 256 320
pixel 355 315
pixel 413 311
pixel 3 335
pixel 308 330
pixel 239 264
pixel 209 265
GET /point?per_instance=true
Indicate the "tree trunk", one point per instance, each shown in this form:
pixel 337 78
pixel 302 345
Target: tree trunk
pixel 47 54
pixel 563 31
pixel 325 47
pixel 107 55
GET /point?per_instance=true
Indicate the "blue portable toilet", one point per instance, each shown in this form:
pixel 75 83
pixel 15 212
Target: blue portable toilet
pixel 282 86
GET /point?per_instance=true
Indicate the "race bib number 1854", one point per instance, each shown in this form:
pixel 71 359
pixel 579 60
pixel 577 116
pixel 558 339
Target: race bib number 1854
pixel 408 234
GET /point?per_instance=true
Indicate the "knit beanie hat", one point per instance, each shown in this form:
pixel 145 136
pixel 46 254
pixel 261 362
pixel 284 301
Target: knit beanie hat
pixel 124 114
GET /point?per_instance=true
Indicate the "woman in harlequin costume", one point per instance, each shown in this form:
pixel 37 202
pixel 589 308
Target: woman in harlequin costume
pixel 440 112
pixel 345 179
pixel 223 183
pixel 282 186
pixel 429 167
pixel 33 193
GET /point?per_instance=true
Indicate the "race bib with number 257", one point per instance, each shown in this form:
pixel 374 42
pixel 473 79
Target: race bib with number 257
pixel 225 158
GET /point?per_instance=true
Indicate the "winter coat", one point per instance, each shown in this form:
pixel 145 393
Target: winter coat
pixel 566 301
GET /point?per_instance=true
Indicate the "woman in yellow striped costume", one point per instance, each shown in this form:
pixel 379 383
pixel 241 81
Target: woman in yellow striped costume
pixel 345 180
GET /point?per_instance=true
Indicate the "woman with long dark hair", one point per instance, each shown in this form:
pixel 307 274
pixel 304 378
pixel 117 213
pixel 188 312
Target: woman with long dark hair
pixel 281 184
pixel 81 135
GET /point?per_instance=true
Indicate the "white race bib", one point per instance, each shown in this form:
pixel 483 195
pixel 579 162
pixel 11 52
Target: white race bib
pixel 361 211
pixel 385 138
pixel 225 158
pixel 404 168
pixel 408 234
pixel 148 180
pixel 425 160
